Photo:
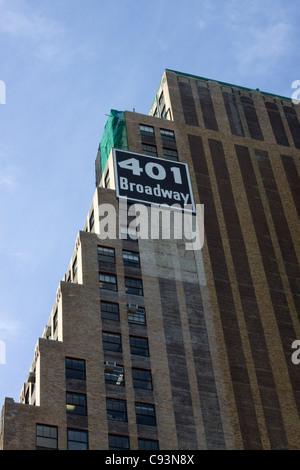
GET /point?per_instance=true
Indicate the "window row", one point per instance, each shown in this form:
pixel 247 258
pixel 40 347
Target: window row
pixel 47 439
pixel 112 342
pixel 151 150
pixel 114 375
pixel 109 282
pixel 107 254
pixel 75 368
pixel 164 133
pixel 117 411
pixel 110 311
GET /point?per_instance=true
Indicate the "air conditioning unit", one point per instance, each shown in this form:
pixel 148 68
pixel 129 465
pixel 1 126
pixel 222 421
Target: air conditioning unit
pixel 132 308
pixel 109 366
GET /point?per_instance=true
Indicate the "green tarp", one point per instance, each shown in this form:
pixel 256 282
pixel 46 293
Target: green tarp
pixel 114 135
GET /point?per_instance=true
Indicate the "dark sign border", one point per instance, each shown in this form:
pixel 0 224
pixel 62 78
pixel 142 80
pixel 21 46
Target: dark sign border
pixel 154 160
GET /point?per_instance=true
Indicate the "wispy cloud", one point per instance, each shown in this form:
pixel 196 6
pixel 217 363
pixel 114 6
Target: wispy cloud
pixel 261 33
pixel 46 38
pixel 8 177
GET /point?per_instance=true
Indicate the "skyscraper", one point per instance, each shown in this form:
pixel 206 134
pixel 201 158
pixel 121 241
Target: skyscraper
pixel 162 337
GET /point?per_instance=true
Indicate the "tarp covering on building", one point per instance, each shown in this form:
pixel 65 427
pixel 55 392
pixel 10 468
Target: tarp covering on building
pixel 114 135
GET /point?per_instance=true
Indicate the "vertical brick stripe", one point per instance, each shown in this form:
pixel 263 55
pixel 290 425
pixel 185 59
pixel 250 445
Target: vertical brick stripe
pixel 276 123
pixel 235 353
pixel 268 257
pixel 294 124
pixel 188 104
pixel 233 114
pixel 181 394
pixel 293 179
pixel 259 350
pixel 281 226
pixel 206 384
pixel 251 118
pixel 207 108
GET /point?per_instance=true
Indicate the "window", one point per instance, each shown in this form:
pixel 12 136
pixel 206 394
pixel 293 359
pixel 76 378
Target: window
pixel 75 368
pixel 145 414
pixel 76 404
pixel 108 281
pixel 146 444
pixel 142 379
pixel 106 254
pixel 109 311
pixel 133 286
pixel 167 135
pixel 77 440
pixel 171 154
pixel 118 442
pixel 149 149
pixel 139 346
pixel 136 315
pixel 46 437
pixel 106 180
pixel 147 130
pixel 116 410
pixel 74 267
pixel 161 98
pixel 111 342
pixel 91 221
pixel 164 113
pixel 114 375
pixel 55 321
pixel 131 258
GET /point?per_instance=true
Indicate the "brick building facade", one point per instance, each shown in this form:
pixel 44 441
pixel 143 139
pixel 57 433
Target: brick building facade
pixel 153 346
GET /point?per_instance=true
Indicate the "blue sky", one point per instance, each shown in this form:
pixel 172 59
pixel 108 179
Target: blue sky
pixel 65 64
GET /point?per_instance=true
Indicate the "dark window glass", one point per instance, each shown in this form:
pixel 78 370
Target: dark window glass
pixel 77 440
pixel 149 149
pixel 171 154
pixel 106 254
pixel 145 414
pixel 74 267
pixel 46 436
pixel 75 368
pixel 111 342
pixel 142 379
pixel 147 130
pixel 92 220
pixel 167 135
pixel 116 410
pixel 108 281
pixel 146 444
pixel 139 346
pixel 118 442
pixel 131 258
pixel 76 403
pixel 109 311
pixel 133 286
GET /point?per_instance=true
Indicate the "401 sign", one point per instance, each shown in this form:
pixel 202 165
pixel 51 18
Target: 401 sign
pixel 151 180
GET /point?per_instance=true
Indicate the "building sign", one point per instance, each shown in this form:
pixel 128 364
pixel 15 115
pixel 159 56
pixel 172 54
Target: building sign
pixel 151 180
